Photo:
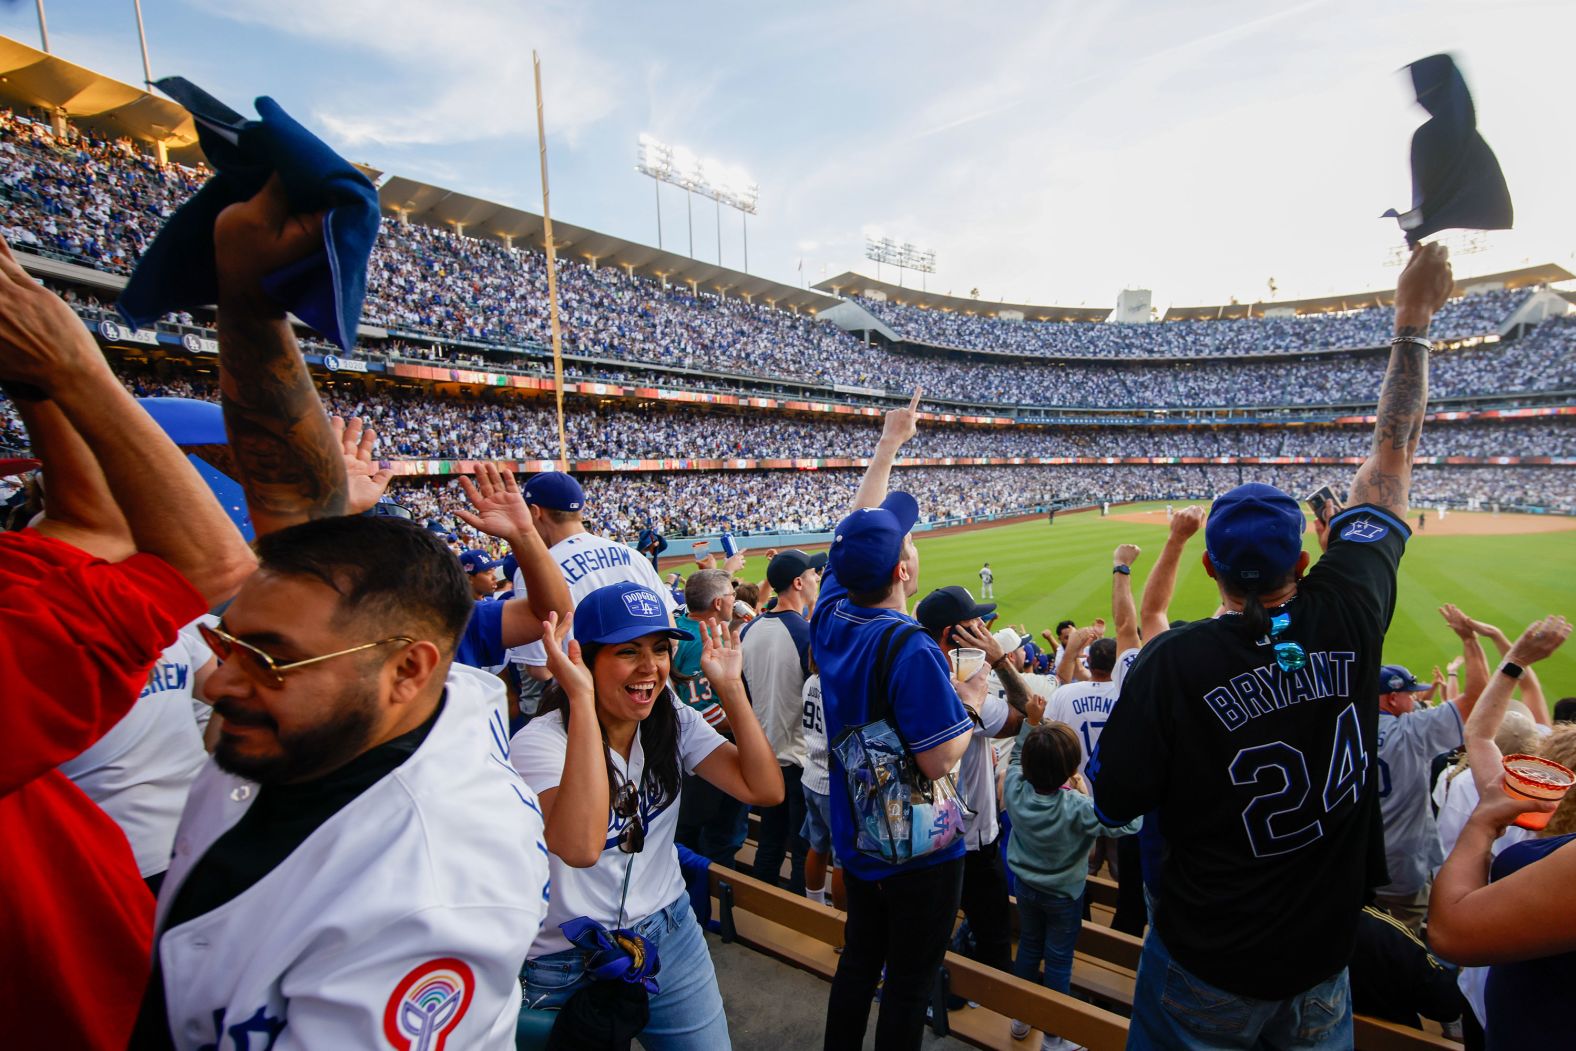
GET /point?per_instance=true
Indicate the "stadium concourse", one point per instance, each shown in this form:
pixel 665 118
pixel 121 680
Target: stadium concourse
pixel 700 727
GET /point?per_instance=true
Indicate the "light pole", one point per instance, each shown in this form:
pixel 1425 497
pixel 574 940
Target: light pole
pixel 43 27
pixel 903 256
pixel 142 37
pixel 682 168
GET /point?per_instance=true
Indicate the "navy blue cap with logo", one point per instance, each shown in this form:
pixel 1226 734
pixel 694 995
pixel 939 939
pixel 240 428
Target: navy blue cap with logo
pixel 555 491
pixel 510 566
pixel 868 544
pixel 475 561
pixel 1395 678
pixel 1254 534
pixel 623 611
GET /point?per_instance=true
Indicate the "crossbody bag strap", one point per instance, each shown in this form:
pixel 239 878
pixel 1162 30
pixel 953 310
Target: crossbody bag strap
pixel 888 650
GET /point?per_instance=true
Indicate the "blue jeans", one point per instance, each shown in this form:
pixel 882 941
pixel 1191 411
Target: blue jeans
pixel 1175 1009
pixel 686 1014
pixel 1048 928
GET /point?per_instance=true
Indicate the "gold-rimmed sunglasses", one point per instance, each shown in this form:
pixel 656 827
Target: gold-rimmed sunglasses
pixel 262 668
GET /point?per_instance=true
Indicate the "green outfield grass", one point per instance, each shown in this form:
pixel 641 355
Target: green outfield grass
pixel 1047 573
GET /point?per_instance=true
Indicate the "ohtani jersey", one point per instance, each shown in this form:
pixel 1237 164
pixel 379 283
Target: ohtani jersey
pixel 1265 780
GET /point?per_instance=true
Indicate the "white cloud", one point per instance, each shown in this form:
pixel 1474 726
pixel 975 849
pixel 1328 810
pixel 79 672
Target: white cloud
pixel 458 71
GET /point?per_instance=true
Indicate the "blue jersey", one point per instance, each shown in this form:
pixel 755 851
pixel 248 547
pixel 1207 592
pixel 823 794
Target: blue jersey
pixel 922 704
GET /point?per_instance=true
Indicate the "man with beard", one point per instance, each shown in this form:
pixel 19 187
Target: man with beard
pixel 359 865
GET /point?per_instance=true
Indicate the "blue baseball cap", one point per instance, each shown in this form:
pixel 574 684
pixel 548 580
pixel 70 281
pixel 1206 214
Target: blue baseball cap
pixel 623 611
pixel 1395 678
pixel 435 526
pixel 478 561
pixel 555 491
pixel 868 544
pixel 511 566
pixel 1254 533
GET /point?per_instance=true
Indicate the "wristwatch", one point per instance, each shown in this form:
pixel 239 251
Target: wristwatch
pixel 1126 571
pixel 1512 670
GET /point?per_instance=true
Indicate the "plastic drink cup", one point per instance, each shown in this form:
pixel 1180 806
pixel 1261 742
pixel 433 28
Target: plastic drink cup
pixel 966 660
pixel 1533 777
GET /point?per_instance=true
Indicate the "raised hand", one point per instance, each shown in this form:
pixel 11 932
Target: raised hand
pixel 1126 554
pixel 567 667
pixel 43 344
pixel 901 424
pixel 1186 522
pixel 1424 286
pixel 501 510
pixel 1098 627
pixel 1034 711
pixel 980 637
pixel 366 479
pixel 1541 638
pixel 1459 622
pixel 734 563
pixel 253 238
pixel 720 656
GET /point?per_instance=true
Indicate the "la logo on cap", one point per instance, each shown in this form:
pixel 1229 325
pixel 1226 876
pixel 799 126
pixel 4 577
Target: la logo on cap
pixel 642 603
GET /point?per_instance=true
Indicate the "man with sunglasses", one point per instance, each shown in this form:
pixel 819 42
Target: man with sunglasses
pixel 1255 736
pixel 359 865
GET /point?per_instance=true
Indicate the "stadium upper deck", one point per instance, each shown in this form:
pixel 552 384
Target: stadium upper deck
pixel 450 298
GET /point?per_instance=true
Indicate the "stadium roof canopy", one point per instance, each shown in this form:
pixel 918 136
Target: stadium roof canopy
pixel 37 78
pixel 434 206
pixel 1548 273
pixel 852 284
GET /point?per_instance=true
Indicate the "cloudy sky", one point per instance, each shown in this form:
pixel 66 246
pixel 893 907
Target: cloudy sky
pixel 1049 152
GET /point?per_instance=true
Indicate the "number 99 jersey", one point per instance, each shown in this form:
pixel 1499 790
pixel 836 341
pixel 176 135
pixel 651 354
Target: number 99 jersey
pixel 1264 778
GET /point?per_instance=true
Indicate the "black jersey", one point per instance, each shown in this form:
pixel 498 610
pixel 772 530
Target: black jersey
pixel 1265 780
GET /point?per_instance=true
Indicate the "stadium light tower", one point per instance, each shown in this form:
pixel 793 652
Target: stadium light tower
pixel 903 256
pixel 719 183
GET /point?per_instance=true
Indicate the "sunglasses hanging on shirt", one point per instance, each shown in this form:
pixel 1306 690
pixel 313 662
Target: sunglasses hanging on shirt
pixel 1290 656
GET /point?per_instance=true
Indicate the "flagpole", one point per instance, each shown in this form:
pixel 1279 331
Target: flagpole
pixel 552 271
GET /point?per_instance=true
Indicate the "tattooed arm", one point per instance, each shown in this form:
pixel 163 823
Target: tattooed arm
pixel 286 452
pixel 1385 478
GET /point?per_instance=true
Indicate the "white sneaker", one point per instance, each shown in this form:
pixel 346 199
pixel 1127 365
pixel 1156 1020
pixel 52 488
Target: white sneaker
pixel 1020 1030
pixel 1059 1043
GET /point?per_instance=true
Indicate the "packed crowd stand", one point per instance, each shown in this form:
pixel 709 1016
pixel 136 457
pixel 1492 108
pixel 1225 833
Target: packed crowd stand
pixel 328 789
pixel 1472 315
pixel 699 503
pixel 99 203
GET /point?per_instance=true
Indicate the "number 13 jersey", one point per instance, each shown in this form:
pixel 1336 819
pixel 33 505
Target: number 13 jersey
pixel 1264 778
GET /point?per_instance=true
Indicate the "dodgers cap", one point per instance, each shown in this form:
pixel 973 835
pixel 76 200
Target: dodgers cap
pixel 868 544
pixel 623 611
pixel 478 561
pixel 1395 678
pixel 555 491
pixel 510 566
pixel 947 606
pixel 1254 533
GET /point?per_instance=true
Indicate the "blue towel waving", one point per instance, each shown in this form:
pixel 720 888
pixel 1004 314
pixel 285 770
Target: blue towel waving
pixel 326 289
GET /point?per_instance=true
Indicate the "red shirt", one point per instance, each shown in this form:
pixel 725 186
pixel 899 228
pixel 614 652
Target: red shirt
pixel 77 638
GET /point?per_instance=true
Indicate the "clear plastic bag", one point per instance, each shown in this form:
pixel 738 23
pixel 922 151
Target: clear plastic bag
pixel 899 814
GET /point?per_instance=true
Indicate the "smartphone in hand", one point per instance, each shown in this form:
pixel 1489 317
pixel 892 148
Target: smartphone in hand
pixel 1323 503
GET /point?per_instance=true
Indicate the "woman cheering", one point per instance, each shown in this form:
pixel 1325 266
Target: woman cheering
pixel 606 757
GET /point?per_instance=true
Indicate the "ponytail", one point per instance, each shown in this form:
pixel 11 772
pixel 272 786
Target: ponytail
pixel 1255 618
